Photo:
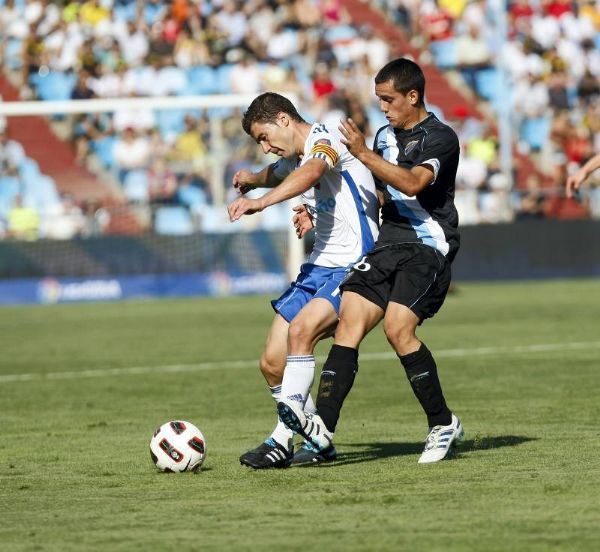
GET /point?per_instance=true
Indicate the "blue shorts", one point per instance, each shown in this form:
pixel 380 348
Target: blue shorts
pixel 313 281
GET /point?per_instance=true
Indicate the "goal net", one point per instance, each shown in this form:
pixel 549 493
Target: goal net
pixel 119 198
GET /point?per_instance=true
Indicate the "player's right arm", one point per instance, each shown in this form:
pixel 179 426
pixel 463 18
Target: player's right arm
pixel 296 183
pixel 576 180
pixel 245 180
pixel 410 182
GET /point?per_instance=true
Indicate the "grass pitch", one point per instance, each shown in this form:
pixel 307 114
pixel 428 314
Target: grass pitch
pixel 82 387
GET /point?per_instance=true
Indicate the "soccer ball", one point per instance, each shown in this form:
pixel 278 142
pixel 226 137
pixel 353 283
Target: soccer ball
pixel 178 446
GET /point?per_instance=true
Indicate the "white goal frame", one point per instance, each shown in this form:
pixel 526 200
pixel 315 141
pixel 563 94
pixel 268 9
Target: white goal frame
pixel 217 147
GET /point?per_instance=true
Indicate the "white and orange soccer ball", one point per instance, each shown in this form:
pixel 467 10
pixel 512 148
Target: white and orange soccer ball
pixel 178 446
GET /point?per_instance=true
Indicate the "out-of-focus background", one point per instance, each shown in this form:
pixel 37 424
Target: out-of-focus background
pixel 127 200
pixel 120 135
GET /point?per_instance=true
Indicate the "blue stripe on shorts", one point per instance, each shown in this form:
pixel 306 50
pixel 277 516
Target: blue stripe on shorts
pixel 313 281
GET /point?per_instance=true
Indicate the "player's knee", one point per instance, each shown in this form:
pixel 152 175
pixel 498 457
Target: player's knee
pixel 348 334
pixel 300 335
pixel 271 369
pixel 401 338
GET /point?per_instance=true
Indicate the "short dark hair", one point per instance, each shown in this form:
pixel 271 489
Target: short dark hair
pixel 406 76
pixel 266 107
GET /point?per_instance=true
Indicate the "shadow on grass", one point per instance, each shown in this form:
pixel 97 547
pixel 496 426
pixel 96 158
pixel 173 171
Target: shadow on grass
pixel 368 452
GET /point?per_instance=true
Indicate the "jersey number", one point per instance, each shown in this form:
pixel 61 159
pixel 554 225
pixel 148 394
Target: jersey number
pixel 362 265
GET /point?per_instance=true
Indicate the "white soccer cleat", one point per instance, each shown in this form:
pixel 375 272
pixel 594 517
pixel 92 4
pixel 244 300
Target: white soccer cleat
pixel 310 426
pixel 440 439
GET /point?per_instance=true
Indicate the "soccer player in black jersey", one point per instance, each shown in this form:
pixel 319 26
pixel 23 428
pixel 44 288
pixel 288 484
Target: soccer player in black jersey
pixel 404 279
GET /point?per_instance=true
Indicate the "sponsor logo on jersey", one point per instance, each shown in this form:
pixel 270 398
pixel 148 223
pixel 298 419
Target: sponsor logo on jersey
pixel 410 146
pixel 323 206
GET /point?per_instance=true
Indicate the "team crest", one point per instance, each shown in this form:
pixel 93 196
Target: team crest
pixel 410 146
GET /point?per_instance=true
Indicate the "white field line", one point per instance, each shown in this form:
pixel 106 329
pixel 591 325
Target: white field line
pixel 228 364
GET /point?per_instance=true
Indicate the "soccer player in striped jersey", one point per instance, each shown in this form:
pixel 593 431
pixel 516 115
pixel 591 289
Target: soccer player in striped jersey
pixel 404 279
pixel 345 210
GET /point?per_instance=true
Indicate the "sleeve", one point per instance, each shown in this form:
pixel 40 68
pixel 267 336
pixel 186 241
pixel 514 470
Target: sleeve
pixel 324 146
pixel 282 167
pixel 379 185
pixel 308 199
pixel 439 150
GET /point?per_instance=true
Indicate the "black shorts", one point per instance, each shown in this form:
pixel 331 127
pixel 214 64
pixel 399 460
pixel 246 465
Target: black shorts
pixel 412 274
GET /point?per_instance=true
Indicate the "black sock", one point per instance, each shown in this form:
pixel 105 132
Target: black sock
pixel 423 377
pixel 337 379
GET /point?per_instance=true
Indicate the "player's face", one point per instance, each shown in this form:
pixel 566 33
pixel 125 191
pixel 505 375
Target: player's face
pixel 274 138
pixel 398 108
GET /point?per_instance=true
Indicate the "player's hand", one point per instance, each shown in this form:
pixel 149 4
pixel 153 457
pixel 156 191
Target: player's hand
pixel 573 183
pixel 302 220
pixel 242 181
pixel 353 139
pixel 243 206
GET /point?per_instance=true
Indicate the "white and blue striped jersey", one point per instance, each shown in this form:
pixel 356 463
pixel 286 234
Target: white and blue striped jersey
pixel 345 204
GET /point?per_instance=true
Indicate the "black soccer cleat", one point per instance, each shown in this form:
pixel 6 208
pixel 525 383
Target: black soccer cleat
pixel 269 454
pixel 308 454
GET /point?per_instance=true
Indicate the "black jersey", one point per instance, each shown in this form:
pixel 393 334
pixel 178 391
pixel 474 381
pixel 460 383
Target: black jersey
pixel 430 217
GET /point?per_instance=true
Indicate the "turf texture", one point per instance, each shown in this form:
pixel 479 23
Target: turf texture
pixel 82 387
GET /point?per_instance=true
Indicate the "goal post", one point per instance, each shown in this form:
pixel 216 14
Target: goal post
pixel 221 113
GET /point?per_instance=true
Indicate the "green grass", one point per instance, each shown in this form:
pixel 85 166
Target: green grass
pixel 75 472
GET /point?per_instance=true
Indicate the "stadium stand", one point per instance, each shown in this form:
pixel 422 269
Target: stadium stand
pixel 553 62
pixel 326 52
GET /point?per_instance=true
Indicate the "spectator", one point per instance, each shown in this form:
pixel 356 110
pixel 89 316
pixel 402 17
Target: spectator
pixel 232 22
pixel 590 11
pixel 189 149
pixel 65 220
pixel 334 12
pixel 107 84
pixel 11 153
pixel 558 94
pixel 322 83
pixel 495 202
pixel 162 182
pixel 284 43
pixel 92 13
pixel 134 43
pixel 530 200
pixel 82 90
pixel 531 98
pixel 557 8
pixel 472 55
pixel 370 46
pixel 245 77
pixel 23 223
pixel 484 148
pixel 189 51
pixel 131 152
pixel 520 9
pixel 436 23
pixel 139 119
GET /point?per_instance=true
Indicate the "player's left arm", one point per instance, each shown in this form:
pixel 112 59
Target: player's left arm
pixel 293 185
pixel 410 182
pixel 303 221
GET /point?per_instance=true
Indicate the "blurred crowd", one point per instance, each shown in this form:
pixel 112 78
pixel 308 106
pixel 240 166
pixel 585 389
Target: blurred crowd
pixel 552 58
pixel 132 48
pixel 129 48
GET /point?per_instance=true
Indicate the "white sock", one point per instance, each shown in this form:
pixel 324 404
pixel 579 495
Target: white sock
pixel 281 433
pixel 310 405
pixel 298 378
